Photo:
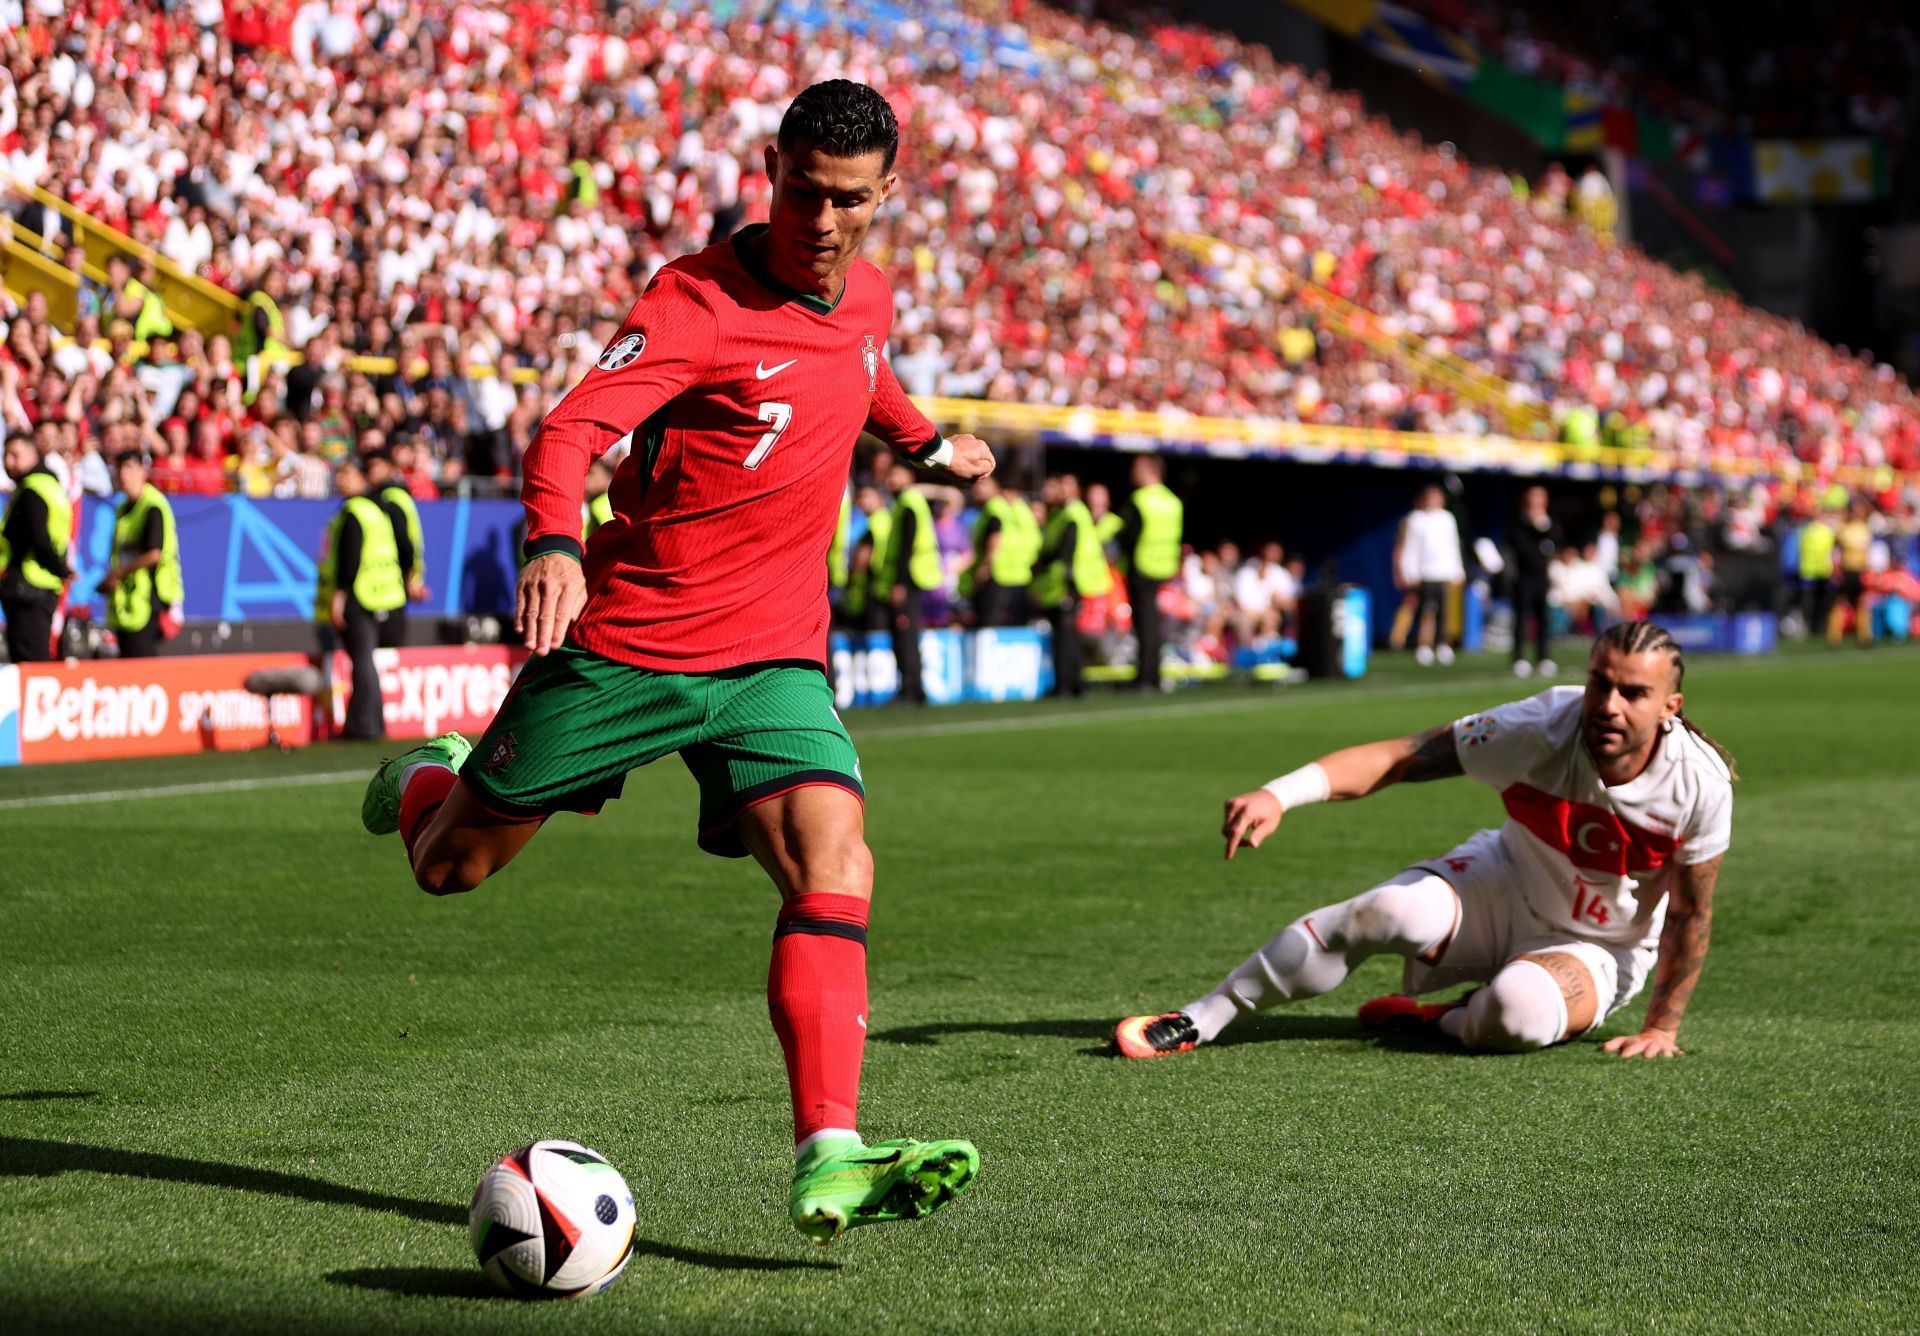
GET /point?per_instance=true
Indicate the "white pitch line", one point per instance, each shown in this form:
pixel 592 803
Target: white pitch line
pixel 1095 718
pixel 185 790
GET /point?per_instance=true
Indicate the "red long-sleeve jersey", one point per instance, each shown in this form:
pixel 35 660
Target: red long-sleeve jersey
pixel 745 398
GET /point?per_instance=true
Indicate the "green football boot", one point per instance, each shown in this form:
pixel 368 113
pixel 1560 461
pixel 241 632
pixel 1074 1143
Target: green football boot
pixel 844 1185
pixel 380 809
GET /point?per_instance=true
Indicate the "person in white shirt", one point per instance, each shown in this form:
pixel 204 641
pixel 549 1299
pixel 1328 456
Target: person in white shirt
pixel 1619 811
pixel 1576 583
pixel 1430 561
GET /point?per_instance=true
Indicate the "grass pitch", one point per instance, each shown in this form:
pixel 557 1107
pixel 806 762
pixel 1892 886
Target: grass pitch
pixel 249 1076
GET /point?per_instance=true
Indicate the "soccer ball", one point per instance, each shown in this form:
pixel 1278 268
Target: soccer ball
pixel 552 1220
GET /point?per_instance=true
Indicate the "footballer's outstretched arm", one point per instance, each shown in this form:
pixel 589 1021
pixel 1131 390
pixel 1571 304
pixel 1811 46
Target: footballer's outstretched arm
pixel 907 432
pixel 1683 950
pixel 1351 772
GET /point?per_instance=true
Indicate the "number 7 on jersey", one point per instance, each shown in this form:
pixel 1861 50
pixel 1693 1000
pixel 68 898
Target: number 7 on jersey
pixel 779 415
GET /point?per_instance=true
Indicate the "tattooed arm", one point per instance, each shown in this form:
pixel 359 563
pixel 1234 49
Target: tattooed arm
pixel 1683 950
pixel 1352 772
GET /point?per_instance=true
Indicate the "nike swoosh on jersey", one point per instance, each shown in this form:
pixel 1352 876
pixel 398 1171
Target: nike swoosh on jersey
pixel 762 371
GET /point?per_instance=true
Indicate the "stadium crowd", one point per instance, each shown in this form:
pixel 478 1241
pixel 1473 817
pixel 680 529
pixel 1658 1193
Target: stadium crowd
pixel 1775 69
pixel 445 209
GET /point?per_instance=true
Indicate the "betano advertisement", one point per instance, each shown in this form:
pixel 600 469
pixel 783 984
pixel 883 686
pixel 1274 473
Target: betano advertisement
pixel 103 710
pixel 428 691
pixel 106 709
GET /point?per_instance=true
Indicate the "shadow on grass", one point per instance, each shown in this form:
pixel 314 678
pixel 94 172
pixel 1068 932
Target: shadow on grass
pixel 1042 1029
pixel 35 1096
pixel 26 1157
pixel 421 1282
pixel 1255 1030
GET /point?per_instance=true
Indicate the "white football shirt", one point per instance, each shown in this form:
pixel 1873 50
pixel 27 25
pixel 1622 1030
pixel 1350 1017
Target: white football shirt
pixel 1588 858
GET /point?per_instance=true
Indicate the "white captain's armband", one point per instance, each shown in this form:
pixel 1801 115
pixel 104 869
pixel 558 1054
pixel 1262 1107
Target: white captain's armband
pixel 1307 785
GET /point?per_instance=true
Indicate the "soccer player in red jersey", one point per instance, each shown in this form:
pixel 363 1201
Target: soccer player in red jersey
pixel 695 621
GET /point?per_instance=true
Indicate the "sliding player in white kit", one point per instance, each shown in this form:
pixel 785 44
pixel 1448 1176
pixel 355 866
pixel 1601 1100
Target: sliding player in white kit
pixel 1618 813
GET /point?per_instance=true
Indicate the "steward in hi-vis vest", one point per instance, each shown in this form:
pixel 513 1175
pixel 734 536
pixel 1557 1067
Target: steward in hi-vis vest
pixel 867 604
pixel 388 488
pixel 1150 554
pixel 144 580
pixel 361 585
pixel 910 566
pixel 1072 567
pixel 1006 543
pixel 34 532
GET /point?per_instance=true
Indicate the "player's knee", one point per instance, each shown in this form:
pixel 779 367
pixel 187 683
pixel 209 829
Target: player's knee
pixel 1402 914
pixel 842 867
pixel 1521 1010
pixel 451 872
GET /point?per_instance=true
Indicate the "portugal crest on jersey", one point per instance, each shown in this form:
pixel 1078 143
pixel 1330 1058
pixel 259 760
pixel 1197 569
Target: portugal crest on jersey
pixel 870 359
pixel 622 352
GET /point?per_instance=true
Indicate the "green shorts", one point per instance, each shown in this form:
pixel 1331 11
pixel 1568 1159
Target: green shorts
pixel 575 723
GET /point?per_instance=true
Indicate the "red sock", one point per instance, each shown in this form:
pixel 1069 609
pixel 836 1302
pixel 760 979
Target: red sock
pixel 817 991
pixel 421 798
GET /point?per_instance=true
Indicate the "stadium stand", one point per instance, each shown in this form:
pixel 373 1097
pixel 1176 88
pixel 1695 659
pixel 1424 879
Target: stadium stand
pixel 445 210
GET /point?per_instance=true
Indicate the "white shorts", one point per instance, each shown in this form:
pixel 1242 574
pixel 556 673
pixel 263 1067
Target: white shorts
pixel 1496 926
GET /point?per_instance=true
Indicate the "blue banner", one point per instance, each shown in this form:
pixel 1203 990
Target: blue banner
pixel 1014 663
pixel 242 558
pixel 1723 632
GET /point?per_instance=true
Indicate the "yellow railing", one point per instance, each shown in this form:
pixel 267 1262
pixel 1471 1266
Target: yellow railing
pixel 24 270
pixel 1229 438
pixel 191 301
pixel 1519 414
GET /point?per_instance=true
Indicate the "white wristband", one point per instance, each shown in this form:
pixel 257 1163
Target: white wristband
pixel 941 457
pixel 1308 784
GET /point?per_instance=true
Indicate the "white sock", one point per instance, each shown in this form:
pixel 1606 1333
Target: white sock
pixel 824 1134
pixel 1410 915
pixel 406 776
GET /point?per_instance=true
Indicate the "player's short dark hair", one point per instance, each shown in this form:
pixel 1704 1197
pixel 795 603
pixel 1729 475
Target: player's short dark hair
pixel 842 119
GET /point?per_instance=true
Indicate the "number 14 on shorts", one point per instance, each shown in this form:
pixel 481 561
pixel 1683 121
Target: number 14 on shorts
pixel 1588 905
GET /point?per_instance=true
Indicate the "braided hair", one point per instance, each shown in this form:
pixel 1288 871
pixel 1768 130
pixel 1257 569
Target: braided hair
pixel 1651 638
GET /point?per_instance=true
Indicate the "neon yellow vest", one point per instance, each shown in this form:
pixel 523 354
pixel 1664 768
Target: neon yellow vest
pixel 923 564
pixel 1108 527
pixel 59 528
pixel 399 496
pixel 1156 552
pixel 248 343
pixel 1087 562
pixel 1011 565
pixel 599 513
pixel 1816 551
pixel 132 604
pixel 152 321
pixel 1582 427
pixel 839 554
pixel 378 586
pixel 879 536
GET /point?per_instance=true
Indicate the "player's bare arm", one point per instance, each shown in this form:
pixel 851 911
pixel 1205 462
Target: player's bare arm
pixel 1683 951
pixel 1352 772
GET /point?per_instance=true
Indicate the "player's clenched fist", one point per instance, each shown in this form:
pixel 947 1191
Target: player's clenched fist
pixel 552 592
pixel 1250 819
pixel 972 460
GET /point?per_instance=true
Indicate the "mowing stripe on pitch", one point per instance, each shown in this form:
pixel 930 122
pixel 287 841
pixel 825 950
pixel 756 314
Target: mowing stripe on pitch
pixel 1038 717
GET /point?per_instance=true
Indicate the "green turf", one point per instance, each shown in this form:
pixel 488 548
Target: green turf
pixel 249 1076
